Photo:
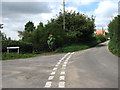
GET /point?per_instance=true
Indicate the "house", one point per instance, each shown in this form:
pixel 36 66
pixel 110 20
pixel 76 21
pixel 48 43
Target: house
pixel 100 32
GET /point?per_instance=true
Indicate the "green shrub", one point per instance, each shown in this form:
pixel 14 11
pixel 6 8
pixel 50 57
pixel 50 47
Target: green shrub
pixel 114 31
pixel 100 38
pixel 58 33
pixel 7 56
pixel 24 47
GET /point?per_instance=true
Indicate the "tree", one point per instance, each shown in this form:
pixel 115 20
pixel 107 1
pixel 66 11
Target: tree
pixel 26 34
pixel 114 31
pixel 29 27
pixel 78 23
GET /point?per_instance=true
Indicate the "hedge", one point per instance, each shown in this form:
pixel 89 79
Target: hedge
pixel 24 47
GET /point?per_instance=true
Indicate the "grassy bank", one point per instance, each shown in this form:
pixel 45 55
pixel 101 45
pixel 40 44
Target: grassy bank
pixel 114 48
pixel 77 47
pixel 7 56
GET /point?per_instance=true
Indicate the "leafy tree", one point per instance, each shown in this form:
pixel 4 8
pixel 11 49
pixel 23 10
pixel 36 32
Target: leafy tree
pixel 78 23
pixel 29 26
pixel 27 33
pixel 114 31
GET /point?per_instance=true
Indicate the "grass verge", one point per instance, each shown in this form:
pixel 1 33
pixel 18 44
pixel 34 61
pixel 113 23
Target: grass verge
pixel 77 47
pixel 7 56
pixel 114 48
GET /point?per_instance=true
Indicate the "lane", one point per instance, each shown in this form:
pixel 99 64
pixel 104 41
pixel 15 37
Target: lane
pixel 93 68
pixel 57 76
pixel 28 73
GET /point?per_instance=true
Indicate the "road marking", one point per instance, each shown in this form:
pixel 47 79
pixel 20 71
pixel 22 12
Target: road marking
pixel 62 77
pixel 63 67
pixel 62 73
pixel 72 52
pixel 53 73
pixel 48 84
pixel 61 84
pixel 65 62
pixel 50 77
pixel 54 69
pixel 65 56
pixel 57 65
pixel 60 60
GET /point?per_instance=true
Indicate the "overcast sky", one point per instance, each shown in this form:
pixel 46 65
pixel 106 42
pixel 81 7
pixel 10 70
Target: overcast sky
pixel 16 14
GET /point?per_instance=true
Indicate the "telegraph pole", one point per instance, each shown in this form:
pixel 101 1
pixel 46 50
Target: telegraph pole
pixel 63 14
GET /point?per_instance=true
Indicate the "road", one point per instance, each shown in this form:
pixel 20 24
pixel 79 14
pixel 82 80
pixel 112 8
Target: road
pixel 92 68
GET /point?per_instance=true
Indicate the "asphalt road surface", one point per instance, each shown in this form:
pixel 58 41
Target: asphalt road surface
pixel 91 68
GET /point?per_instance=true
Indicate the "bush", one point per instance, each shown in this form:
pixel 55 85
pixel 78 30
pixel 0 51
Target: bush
pixel 113 28
pixel 101 38
pixel 57 32
pixel 24 47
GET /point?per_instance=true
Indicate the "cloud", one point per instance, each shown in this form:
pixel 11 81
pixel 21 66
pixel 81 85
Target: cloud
pixel 17 14
pixel 10 9
pixel 105 11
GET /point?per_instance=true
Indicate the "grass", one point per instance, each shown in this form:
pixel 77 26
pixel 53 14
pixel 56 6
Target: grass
pixel 65 49
pixel 114 48
pixel 7 56
pixel 77 47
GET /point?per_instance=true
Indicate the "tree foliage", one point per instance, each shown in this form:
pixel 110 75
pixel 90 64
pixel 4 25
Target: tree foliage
pixel 114 31
pixel 80 24
pixel 78 27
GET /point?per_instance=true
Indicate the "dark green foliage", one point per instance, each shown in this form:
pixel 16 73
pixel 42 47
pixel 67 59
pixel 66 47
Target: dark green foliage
pixel 77 46
pixel 24 47
pixel 29 27
pixel 114 31
pixel 81 25
pixel 7 56
pixel 58 33
pixel 39 40
pixel 78 28
pixel 101 38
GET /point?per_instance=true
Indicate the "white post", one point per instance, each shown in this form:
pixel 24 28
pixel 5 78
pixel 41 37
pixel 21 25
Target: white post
pixel 7 50
pixel 18 50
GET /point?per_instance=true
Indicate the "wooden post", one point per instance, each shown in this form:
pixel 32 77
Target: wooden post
pixel 7 50
pixel 18 51
pixel 63 14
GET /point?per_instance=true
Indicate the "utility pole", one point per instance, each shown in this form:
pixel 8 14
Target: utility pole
pixel 63 14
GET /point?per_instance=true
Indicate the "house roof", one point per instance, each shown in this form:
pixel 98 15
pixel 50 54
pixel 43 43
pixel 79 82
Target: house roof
pixel 100 31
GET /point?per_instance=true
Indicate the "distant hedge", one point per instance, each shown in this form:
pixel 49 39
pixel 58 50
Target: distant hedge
pixel 24 47
pixel 114 31
pixel 101 38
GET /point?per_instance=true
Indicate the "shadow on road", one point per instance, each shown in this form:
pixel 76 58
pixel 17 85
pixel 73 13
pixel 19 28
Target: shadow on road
pixel 101 45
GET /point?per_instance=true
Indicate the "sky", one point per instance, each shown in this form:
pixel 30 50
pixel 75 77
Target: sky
pixel 16 13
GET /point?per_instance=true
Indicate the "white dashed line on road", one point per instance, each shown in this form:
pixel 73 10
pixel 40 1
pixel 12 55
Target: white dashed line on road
pixel 64 65
pixel 62 73
pixel 53 73
pixel 65 62
pixel 57 65
pixel 62 77
pixel 61 84
pixel 54 69
pixel 48 84
pixel 50 77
